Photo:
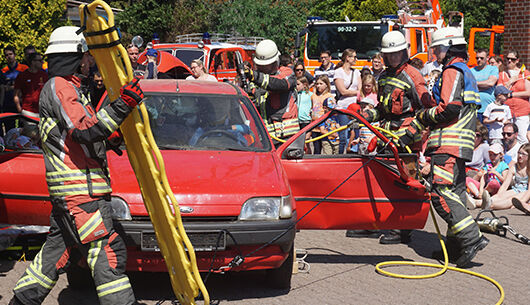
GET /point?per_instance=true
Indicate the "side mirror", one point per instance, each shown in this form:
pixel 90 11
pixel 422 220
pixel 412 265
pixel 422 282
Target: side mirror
pixel 295 151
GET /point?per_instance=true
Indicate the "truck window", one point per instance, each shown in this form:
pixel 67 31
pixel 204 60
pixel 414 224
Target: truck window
pixel 336 37
pixel 188 55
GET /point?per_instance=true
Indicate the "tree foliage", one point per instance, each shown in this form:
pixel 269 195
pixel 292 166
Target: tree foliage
pixel 369 9
pixel 478 13
pixel 272 19
pixel 147 17
pixel 29 22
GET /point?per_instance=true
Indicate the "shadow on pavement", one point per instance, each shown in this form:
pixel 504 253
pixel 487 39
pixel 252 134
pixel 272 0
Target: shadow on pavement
pixel 6 266
pixel 229 286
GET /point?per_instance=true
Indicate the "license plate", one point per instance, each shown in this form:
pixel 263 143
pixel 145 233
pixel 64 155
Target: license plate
pixel 201 241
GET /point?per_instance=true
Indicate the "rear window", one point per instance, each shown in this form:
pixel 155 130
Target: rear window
pixel 205 122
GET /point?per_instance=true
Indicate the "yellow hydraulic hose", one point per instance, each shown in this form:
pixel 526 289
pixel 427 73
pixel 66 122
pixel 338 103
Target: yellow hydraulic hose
pixel 146 160
pixel 443 267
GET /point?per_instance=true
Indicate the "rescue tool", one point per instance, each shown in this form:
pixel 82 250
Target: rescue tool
pixel 114 65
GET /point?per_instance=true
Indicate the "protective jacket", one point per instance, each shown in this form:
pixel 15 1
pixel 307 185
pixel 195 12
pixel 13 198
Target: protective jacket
pixel 274 95
pixel 453 120
pixel 402 92
pixel 73 137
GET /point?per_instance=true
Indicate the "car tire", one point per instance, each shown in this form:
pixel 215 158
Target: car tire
pixel 79 278
pixel 280 278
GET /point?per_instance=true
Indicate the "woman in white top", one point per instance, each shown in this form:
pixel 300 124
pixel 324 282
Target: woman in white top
pixel 198 72
pixel 347 81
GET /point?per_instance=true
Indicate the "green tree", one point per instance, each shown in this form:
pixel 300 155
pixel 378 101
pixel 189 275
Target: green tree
pixel 331 10
pixel 272 19
pixel 369 9
pixel 147 17
pixel 29 22
pixel 478 13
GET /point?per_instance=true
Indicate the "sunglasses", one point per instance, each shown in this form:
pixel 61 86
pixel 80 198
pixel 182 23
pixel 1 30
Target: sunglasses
pixel 507 134
pixel 299 70
pixel 511 59
pixel 480 58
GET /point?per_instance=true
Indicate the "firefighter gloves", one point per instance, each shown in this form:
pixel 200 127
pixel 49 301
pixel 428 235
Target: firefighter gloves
pixel 249 74
pixel 131 93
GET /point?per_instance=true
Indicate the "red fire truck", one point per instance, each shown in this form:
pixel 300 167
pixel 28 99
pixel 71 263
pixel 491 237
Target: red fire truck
pixel 221 53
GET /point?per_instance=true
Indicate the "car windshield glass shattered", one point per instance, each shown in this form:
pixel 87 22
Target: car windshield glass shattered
pixel 205 122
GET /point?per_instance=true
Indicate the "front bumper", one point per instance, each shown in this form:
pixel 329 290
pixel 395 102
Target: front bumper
pixel 248 235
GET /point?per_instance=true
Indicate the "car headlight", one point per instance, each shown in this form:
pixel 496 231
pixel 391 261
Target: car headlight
pixel 120 209
pixel 266 208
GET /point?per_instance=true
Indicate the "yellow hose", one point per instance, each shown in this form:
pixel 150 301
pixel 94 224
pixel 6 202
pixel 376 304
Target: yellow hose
pixel 443 267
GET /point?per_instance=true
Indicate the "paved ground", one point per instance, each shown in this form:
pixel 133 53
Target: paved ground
pixel 343 272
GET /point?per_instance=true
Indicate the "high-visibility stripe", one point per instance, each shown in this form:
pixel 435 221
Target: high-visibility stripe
pixel 265 81
pixel 461 225
pixel 93 253
pixel 90 225
pixel 448 193
pixel 75 177
pixel 437 170
pixel 112 287
pixel 45 126
pixel 73 172
pixel 432 114
pixel 25 281
pixel 43 280
pixel 107 120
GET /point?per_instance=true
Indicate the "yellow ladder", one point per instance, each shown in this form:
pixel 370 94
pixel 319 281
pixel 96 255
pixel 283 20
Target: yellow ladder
pixel 146 160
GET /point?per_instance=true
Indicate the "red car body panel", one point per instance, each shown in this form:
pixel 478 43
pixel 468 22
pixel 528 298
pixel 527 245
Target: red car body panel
pixel 214 185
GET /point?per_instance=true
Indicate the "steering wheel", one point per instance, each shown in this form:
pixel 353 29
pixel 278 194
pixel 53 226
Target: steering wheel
pixel 218 133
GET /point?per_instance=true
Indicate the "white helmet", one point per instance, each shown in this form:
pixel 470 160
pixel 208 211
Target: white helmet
pixel 448 36
pixel 393 41
pixel 65 40
pixel 266 53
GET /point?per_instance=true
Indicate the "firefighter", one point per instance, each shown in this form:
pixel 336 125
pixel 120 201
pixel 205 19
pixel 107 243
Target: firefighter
pixel 450 144
pixel 272 88
pixel 78 178
pixel 402 92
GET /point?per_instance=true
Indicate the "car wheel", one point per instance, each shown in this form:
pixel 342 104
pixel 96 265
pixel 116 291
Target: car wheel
pixel 79 278
pixel 280 278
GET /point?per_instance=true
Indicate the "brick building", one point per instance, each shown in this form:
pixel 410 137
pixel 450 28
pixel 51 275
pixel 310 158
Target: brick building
pixel 517 28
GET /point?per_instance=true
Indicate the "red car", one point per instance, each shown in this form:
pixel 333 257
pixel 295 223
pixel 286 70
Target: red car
pixel 235 190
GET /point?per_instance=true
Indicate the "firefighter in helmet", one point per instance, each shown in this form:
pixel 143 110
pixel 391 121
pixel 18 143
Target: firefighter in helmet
pixel 272 87
pixel 450 143
pixel 78 178
pixel 402 93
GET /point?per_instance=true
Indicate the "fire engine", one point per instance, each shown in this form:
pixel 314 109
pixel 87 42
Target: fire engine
pixel 220 53
pixel 493 37
pixel 416 19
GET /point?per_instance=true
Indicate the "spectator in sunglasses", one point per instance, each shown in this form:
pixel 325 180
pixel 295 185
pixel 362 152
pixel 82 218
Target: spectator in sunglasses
pixel 486 77
pixel 516 79
pixel 509 140
pixel 299 71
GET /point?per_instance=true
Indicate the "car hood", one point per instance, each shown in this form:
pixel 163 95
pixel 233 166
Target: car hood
pixel 211 183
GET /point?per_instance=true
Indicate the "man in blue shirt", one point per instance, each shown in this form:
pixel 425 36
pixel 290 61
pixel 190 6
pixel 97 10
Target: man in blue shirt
pixel 486 77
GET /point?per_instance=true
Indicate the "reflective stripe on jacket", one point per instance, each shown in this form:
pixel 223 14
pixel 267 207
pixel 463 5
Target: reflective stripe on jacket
pixel 72 136
pixel 454 118
pixel 402 93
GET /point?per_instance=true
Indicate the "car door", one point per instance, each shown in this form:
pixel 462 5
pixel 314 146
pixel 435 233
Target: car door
pixel 24 197
pixel 352 191
pixel 224 63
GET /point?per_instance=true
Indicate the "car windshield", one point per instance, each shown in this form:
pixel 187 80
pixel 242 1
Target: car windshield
pixel 187 55
pixel 336 37
pixel 205 122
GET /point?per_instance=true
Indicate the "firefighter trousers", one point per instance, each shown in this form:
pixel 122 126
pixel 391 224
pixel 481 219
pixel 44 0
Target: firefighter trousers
pixel 106 258
pixel 448 180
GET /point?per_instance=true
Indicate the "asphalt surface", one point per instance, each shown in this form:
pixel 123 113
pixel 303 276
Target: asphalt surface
pixel 342 271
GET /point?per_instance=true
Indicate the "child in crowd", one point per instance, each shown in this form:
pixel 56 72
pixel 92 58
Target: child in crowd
pixel 322 92
pixel 368 88
pixel 431 80
pixel 497 114
pixel 365 134
pixel 514 186
pixel 330 144
pixel 494 173
pixel 304 105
